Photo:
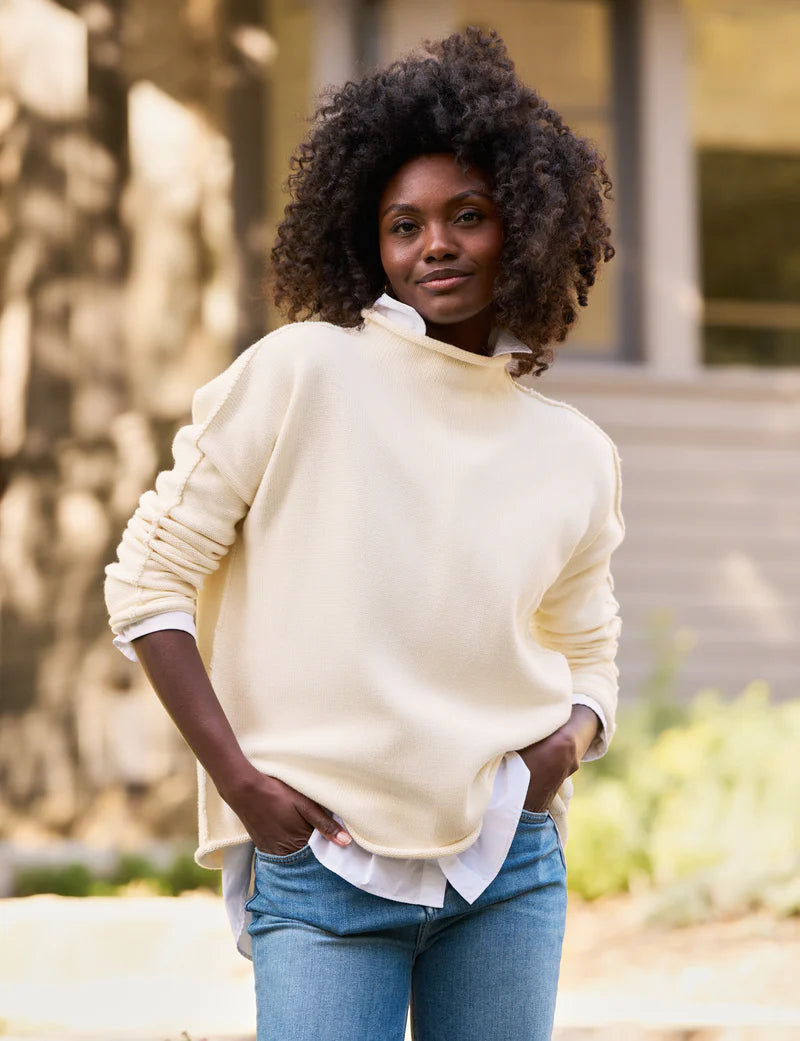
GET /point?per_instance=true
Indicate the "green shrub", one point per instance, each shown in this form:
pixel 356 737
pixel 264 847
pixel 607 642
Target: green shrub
pixel 63 879
pixel 131 868
pixel 184 874
pixel 77 879
pixel 702 806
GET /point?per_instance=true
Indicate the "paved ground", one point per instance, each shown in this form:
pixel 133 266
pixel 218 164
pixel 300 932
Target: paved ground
pixel 147 969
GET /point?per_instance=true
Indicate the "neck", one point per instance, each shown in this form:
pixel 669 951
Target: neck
pixel 470 335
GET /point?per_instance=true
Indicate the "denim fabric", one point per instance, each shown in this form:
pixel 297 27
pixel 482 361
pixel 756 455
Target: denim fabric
pixel 335 963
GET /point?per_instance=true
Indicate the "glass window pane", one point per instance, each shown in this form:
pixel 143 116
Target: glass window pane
pixel 745 100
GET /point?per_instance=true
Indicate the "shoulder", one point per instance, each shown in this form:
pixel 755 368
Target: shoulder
pixel 277 362
pixel 302 341
pixel 293 343
pixel 302 351
pixel 570 421
pixel 591 450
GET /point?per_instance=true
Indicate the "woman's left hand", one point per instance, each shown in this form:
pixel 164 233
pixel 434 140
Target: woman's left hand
pixel 553 759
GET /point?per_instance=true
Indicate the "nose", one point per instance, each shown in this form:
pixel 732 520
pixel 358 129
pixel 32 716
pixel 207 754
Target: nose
pixel 438 243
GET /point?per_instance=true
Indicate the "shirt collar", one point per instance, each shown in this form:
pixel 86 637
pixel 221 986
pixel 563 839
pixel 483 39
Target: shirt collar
pixel 405 315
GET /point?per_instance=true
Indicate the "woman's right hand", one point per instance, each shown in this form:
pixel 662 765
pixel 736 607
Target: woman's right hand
pixel 278 818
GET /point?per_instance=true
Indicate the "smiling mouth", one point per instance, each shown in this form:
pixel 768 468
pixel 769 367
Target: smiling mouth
pixel 445 282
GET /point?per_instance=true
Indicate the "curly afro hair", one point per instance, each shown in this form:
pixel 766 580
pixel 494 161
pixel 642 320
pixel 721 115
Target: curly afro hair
pixel 461 97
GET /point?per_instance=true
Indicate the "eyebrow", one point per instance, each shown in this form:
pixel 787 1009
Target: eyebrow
pixel 408 207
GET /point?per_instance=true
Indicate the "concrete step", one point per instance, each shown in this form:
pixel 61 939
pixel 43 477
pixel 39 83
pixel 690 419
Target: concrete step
pixel 691 678
pixel 669 541
pixel 703 417
pixel 650 569
pixel 756 464
pixel 714 514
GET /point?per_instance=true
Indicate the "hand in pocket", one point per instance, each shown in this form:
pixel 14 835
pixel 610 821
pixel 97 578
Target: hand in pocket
pixel 279 819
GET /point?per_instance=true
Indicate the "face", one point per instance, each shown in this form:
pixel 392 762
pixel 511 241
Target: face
pixel 441 237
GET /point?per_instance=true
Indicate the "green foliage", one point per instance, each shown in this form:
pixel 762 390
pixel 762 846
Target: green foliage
pixel 183 874
pixel 702 808
pixel 77 879
pixel 131 868
pixel 63 879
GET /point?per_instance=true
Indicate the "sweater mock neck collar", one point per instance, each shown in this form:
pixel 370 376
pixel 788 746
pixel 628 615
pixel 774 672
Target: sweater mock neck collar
pixel 406 322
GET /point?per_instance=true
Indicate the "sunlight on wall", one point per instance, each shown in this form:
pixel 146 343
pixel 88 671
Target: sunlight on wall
pixel 43 52
pixel 180 188
pixel 745 76
pixel 755 597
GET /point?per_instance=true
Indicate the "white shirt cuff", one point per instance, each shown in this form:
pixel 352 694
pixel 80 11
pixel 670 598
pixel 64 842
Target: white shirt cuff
pixel 166 620
pixel 599 745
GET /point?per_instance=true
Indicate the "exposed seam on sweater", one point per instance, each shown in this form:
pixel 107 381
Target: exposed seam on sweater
pixel 156 524
pixel 246 363
pixel 571 408
pixel 155 528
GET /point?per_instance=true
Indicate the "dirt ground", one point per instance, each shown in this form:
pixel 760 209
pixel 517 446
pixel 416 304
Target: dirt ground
pixel 625 980
pixel 147 969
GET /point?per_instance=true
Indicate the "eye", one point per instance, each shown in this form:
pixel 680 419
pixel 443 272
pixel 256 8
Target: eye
pixel 403 227
pixel 470 217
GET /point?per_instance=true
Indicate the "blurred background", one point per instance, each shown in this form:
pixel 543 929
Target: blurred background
pixel 143 151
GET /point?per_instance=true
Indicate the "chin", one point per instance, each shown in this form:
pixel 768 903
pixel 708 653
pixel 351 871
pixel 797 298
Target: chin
pixel 448 319
pixel 446 315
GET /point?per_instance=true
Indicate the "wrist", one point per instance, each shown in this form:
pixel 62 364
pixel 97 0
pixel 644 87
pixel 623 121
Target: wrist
pixel 561 746
pixel 239 779
pixel 570 741
pixel 584 725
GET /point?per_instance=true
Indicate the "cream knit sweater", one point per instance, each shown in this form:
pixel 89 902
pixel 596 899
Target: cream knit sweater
pixel 399 559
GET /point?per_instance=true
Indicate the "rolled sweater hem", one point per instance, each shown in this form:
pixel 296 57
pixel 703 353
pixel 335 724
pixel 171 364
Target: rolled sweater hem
pixel 208 854
pixel 415 852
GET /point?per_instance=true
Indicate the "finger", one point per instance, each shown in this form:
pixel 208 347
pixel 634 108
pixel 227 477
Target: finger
pixel 325 824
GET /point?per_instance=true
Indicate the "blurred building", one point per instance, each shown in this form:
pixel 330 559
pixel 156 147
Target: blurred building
pixel 143 149
pixel 689 353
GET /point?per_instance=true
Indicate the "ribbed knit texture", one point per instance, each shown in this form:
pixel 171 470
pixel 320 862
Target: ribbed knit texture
pixel 399 558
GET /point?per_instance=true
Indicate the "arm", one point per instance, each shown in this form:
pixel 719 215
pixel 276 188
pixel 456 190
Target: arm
pixel 579 617
pixel 175 539
pixel 278 818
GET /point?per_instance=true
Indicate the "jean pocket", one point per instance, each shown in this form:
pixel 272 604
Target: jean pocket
pixel 283 858
pixel 540 820
pixel 532 817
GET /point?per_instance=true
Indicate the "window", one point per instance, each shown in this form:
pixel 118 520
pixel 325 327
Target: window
pixel 745 89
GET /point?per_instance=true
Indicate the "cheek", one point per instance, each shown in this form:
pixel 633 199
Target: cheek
pixel 493 249
pixel 395 259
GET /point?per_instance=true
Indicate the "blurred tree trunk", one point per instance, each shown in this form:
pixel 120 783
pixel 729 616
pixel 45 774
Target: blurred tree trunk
pixel 119 274
pixel 61 338
pixel 249 50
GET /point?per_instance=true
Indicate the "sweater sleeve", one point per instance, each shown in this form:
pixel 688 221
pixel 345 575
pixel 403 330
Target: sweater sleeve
pixel 185 525
pixel 578 615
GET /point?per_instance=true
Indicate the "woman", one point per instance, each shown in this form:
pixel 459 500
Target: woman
pixel 399 561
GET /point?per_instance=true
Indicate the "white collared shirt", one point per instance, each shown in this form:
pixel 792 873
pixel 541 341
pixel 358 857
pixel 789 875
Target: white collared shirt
pixel 501 341
pixel 411 880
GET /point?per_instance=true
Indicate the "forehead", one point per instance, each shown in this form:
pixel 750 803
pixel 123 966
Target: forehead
pixel 428 177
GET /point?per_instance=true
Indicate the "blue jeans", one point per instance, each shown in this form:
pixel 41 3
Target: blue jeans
pixel 334 963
